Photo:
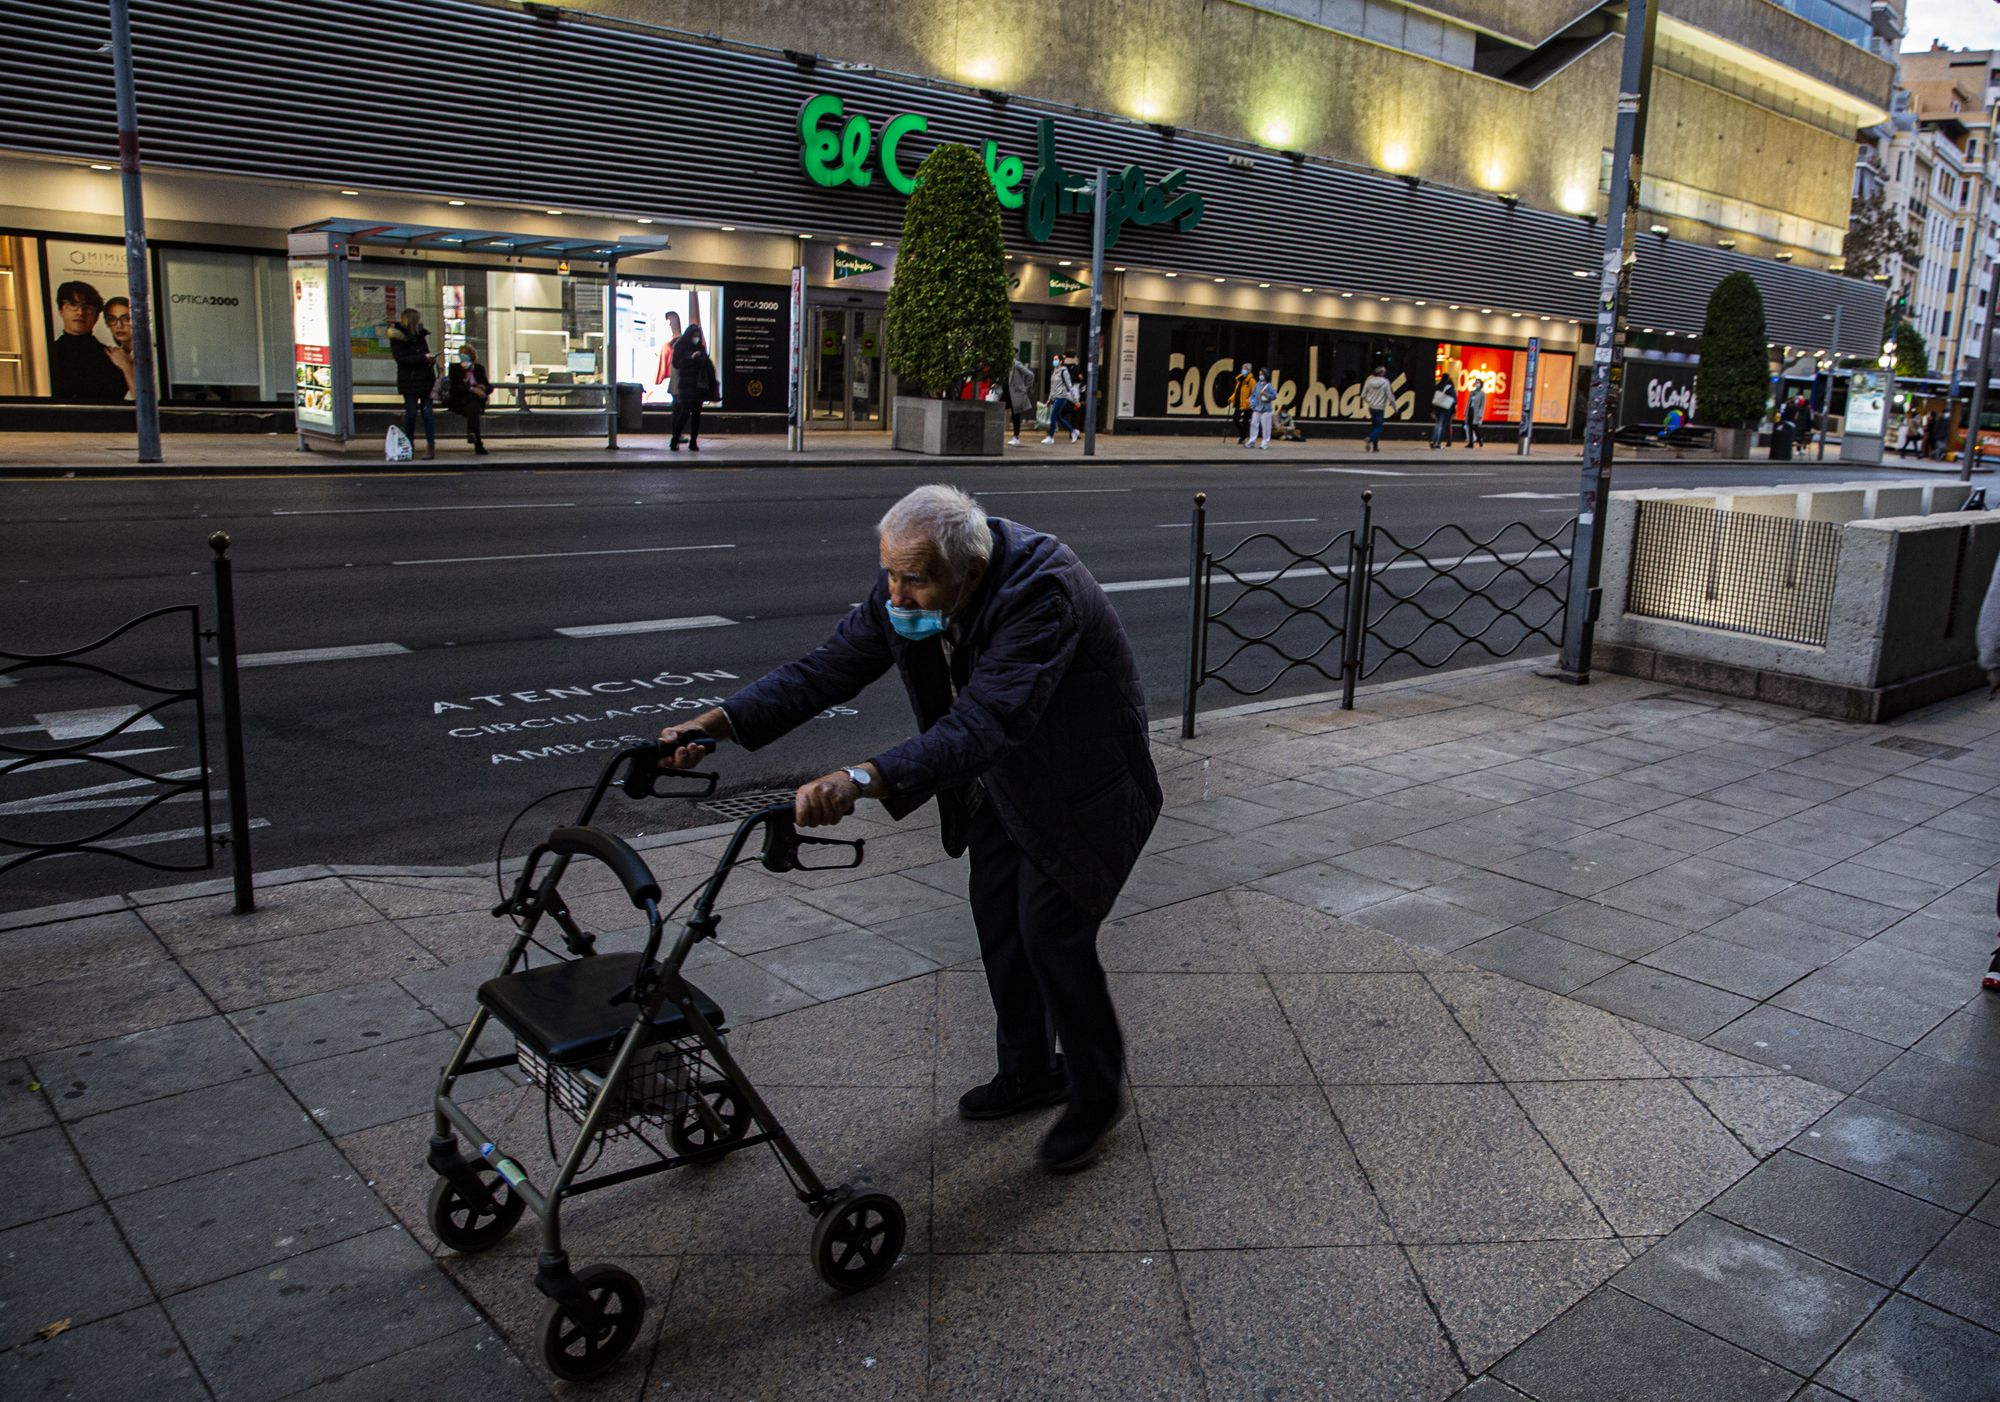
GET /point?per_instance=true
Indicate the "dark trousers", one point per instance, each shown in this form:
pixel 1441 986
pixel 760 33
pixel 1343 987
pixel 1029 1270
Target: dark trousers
pixel 475 410
pixel 1040 950
pixel 412 403
pixel 1374 427
pixel 1239 424
pixel 687 416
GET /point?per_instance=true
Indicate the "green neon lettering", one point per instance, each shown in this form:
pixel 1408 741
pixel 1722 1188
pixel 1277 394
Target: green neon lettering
pixel 818 149
pixel 1006 175
pixel 908 124
pixel 855 141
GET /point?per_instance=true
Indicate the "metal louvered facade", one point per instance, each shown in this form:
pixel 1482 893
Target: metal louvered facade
pixel 596 116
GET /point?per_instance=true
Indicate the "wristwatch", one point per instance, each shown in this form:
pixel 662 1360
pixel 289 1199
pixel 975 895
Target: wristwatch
pixel 861 777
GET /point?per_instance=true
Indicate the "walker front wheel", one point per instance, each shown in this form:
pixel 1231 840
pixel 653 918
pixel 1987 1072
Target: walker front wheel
pixel 469 1223
pixel 585 1340
pixel 857 1241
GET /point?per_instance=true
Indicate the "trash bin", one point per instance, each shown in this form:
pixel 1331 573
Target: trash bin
pixel 631 407
pixel 1781 442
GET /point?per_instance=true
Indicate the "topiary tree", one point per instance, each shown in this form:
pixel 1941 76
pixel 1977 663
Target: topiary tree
pixel 1735 375
pixel 1913 357
pixel 948 313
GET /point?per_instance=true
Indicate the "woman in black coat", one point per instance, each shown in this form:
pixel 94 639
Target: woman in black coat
pixel 691 384
pixel 416 375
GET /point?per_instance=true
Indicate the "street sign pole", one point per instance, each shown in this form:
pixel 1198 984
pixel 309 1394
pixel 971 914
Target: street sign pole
pixel 1092 376
pixel 1608 352
pixel 1832 373
pixel 145 390
pixel 1982 371
pixel 1528 395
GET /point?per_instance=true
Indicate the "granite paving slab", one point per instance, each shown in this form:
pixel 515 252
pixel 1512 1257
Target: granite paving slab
pixel 1493 1295
pixel 1911 1352
pixel 1613 1345
pixel 129 1355
pixel 1897 1151
pixel 44 1177
pixel 1837 1216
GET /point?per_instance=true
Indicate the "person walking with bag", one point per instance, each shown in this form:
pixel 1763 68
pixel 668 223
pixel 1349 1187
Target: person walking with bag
pixel 416 375
pixel 1019 396
pixel 1263 399
pixel 1475 413
pixel 1377 394
pixel 1062 394
pixel 467 392
pixel 1444 402
pixel 692 383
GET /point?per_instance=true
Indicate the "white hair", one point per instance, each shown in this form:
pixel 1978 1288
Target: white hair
pixel 953 523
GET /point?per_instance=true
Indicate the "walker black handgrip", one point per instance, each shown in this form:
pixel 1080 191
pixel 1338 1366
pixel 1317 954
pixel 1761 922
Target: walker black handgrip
pixel 625 864
pixel 782 842
pixel 643 771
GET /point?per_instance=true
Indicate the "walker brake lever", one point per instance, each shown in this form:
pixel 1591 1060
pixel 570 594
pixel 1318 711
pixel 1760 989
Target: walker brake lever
pixel 643 772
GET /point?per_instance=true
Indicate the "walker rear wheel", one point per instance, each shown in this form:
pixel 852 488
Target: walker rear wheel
pixel 698 1135
pixel 857 1241
pixel 581 1342
pixel 468 1225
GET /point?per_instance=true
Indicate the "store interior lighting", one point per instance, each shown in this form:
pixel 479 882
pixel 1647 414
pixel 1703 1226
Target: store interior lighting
pixel 552 211
pixel 97 165
pixel 350 192
pixel 1170 274
pixel 642 219
pixel 456 204
pixel 728 228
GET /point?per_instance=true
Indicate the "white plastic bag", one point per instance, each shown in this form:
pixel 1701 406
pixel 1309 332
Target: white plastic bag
pixel 396 446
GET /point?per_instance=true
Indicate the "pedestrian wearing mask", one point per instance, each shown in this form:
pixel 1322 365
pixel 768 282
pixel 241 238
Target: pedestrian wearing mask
pixel 1475 412
pixel 692 384
pixel 467 392
pixel 1031 737
pixel 1377 394
pixel 1444 403
pixel 1263 399
pixel 1062 394
pixel 1019 394
pixel 1239 402
pixel 416 375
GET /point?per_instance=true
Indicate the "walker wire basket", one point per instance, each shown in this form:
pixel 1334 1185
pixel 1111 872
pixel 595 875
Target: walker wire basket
pixel 659 1086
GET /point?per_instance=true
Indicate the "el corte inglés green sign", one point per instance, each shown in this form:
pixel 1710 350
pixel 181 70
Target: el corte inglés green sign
pixel 837 149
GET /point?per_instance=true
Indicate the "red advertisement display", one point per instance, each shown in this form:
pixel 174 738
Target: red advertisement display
pixel 1504 372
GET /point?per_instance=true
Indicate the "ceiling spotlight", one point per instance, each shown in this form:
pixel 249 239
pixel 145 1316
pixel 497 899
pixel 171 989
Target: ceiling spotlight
pixel 455 203
pixel 1579 272
pixel 1515 315
pixel 1117 270
pixel 1486 311
pixel 1784 257
pixel 1062 262
pixel 94 165
pixel 874 243
pixel 1421 304
pixel 1381 299
pixel 1660 229
pixel 1347 294
pixel 1263 284
pixel 728 228
pixel 643 219
pixel 1305 289
pixel 1218 279
pixel 1725 243
pixel 805 236
pixel 1454 306
pixel 552 211
pixel 350 192
pixel 1171 275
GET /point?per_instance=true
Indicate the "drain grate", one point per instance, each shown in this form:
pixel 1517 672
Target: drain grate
pixel 1929 749
pixel 740 806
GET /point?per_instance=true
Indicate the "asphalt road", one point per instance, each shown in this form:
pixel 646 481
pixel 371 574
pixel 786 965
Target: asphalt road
pixel 457 695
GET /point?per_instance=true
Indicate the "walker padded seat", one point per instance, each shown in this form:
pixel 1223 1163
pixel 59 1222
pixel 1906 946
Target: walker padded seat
pixel 564 1010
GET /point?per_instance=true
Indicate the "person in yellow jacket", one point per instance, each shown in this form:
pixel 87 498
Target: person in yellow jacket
pixel 1239 402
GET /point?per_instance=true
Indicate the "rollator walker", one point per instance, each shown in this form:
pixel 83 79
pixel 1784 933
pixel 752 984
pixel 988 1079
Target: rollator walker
pixel 626 1047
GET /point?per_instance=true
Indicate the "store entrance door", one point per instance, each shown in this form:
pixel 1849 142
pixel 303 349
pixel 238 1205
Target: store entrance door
pixel 847 371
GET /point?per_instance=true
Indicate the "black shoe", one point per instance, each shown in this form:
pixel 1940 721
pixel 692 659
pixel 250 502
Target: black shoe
pixel 674 446
pixel 1012 1092
pixel 1079 1136
pixel 1992 979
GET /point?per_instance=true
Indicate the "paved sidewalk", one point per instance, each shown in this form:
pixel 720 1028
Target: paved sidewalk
pixel 1600 1043
pixel 114 453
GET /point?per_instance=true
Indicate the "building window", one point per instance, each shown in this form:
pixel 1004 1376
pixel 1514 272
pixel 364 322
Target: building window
pixel 1604 172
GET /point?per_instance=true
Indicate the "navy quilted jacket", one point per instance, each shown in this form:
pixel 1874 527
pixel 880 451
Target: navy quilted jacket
pixel 1040 700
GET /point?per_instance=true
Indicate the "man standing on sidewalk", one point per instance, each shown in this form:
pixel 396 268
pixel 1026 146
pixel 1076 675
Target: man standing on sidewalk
pixel 1377 394
pixel 1033 741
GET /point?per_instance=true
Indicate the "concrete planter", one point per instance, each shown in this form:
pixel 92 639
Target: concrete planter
pixel 950 427
pixel 1735 443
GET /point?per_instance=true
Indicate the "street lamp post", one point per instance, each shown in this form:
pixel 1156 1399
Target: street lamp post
pixel 1832 366
pixel 1093 376
pixel 1982 371
pixel 1635 83
pixel 145 390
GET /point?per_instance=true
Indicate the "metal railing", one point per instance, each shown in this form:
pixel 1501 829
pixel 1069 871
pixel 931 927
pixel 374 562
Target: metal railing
pixel 1496 595
pixel 172 785
pixel 1741 571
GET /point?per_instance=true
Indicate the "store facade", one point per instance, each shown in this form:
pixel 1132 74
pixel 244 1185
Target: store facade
pixel 1218 255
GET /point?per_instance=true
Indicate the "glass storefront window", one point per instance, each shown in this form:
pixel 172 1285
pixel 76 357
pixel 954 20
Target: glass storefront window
pixel 226 326
pixel 23 365
pixel 651 317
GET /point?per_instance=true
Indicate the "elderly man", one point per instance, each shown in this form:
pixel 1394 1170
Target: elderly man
pixel 1033 741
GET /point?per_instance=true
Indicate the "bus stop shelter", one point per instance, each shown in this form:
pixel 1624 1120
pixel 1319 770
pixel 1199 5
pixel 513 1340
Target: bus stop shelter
pixel 539 310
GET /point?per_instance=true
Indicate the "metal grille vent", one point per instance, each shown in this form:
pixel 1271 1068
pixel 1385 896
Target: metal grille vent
pixel 740 806
pixel 1929 749
pixel 1769 576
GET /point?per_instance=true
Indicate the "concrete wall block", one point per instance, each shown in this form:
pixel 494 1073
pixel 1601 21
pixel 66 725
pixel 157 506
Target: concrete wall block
pixel 1946 496
pixel 1670 637
pixel 1704 675
pixel 1764 503
pixel 1620 521
pixel 1833 504
pixel 1860 604
pixel 1887 503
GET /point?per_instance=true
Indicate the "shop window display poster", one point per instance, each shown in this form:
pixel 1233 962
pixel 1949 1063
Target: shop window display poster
pixel 650 319
pixel 373 308
pixel 90 322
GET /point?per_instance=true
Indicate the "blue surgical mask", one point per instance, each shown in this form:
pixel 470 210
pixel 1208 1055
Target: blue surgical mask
pixel 917 624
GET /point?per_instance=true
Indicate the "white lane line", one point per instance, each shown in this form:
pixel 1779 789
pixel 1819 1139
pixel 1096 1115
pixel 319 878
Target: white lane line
pixel 1129 586
pixel 561 554
pixel 647 625
pixel 68 799
pixel 1377 472
pixel 1055 492
pixel 1527 496
pixel 89 724
pixel 317 654
pixel 90 755
pixel 1273 521
pixel 177 835
pixel 398 510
